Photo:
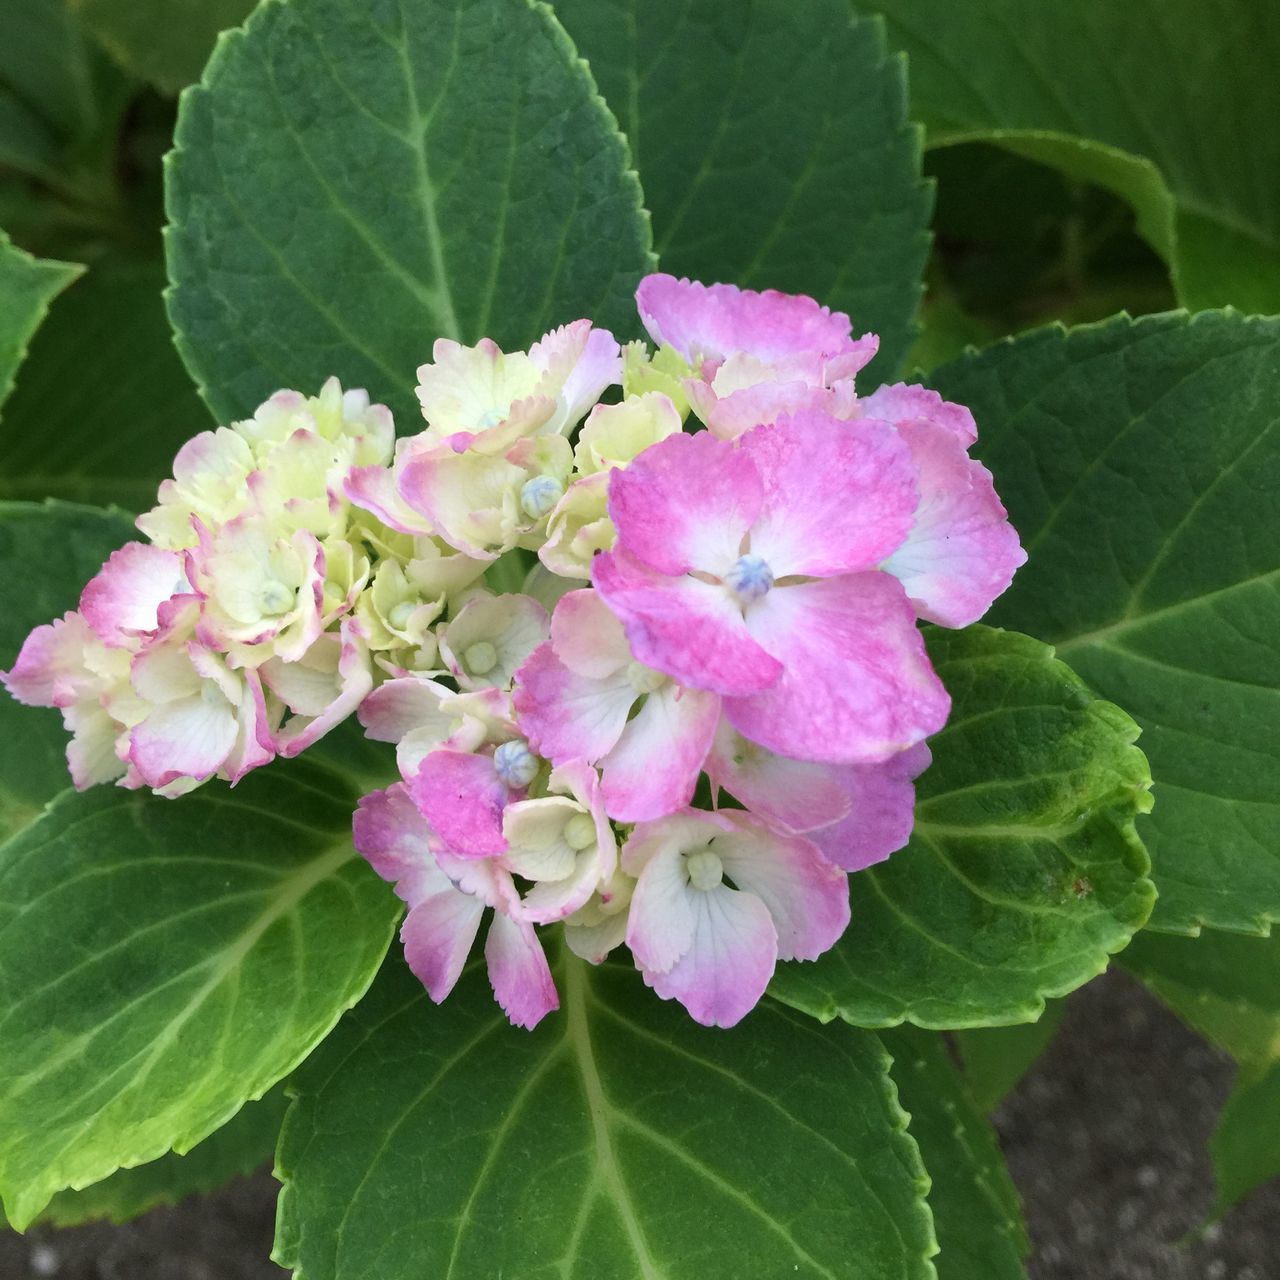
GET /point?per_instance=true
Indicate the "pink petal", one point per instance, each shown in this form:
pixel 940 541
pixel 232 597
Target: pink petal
pixel 689 629
pixel 373 489
pixel 50 670
pixel 962 551
pixel 566 716
pixel 795 794
pixel 807 897
pixel 349 685
pixel 857 686
pixel 839 497
pixel 881 810
pixel 518 971
pixel 398 707
pixel 122 601
pixel 722 976
pixel 395 840
pixel 587 637
pixel 654 768
pixel 702 321
pixel 686 503
pixel 463 799
pixel 661 922
pixel 187 738
pixel 730 416
pixel 903 402
pixel 438 934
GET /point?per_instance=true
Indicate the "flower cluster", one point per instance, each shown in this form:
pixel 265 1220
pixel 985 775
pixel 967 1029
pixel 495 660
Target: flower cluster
pixel 699 704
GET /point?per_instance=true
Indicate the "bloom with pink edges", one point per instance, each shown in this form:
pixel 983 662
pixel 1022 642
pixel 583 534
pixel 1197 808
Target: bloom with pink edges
pixel 447 899
pixel 574 700
pixel 714 946
pixel 857 814
pixel 755 356
pixel 751 570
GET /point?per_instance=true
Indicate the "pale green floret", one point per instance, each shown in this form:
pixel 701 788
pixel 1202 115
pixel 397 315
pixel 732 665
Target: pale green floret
pixel 515 765
pixel 480 658
pixel 400 615
pixel 644 679
pixel 580 832
pixel 275 598
pixel 750 579
pixel 704 869
pixel 539 495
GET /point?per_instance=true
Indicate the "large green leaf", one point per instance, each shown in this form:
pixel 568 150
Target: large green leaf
pixel 976 1212
pixel 243 1144
pixel 618 1141
pixel 1140 461
pixel 352 181
pixel 108 432
pixel 47 554
pixel 27 286
pixel 1245 1151
pixel 1023 874
pixel 996 1058
pixel 1226 985
pixel 773 143
pixel 162 962
pixel 165 42
pixel 1170 105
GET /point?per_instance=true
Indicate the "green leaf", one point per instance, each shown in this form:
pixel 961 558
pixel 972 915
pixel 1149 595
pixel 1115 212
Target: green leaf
pixel 1225 985
pixel 996 1058
pixel 47 554
pixel 244 1143
pixel 352 181
pixel 1140 461
pixel 976 1211
pixel 1023 874
pixel 1169 106
pixel 1245 1151
pixel 109 432
pixel 27 286
pixel 165 42
pixel 618 1141
pixel 773 143
pixel 162 962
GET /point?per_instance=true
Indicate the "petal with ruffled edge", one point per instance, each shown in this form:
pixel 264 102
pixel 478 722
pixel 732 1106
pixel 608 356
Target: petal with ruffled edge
pixel 50 669
pixel 91 754
pixel 796 794
pixel 343 663
pixel 186 738
pixel 463 495
pixel 858 685
pixel 691 630
pixel 518 971
pixel 654 768
pixel 438 934
pixel 727 967
pixel 839 497
pixel 807 897
pixel 565 716
pixel 962 552
pixel 579 363
pixel 882 801
pixel 462 797
pixel 395 839
pixel 904 402
pixel 686 503
pixel 408 712
pixel 713 321
pixel 122 600
pixel 375 489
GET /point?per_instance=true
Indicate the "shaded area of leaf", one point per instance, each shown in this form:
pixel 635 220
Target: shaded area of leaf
pixel 774 148
pixel 1245 1151
pixel 1023 874
pixel 27 286
pixel 996 1058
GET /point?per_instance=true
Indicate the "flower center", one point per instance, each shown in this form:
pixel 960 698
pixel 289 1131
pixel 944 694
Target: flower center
pixel 539 495
pixel 274 598
pixel 400 615
pixel 580 832
pixel 705 869
pixel 480 658
pixel 749 578
pixel 515 765
pixel 644 679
